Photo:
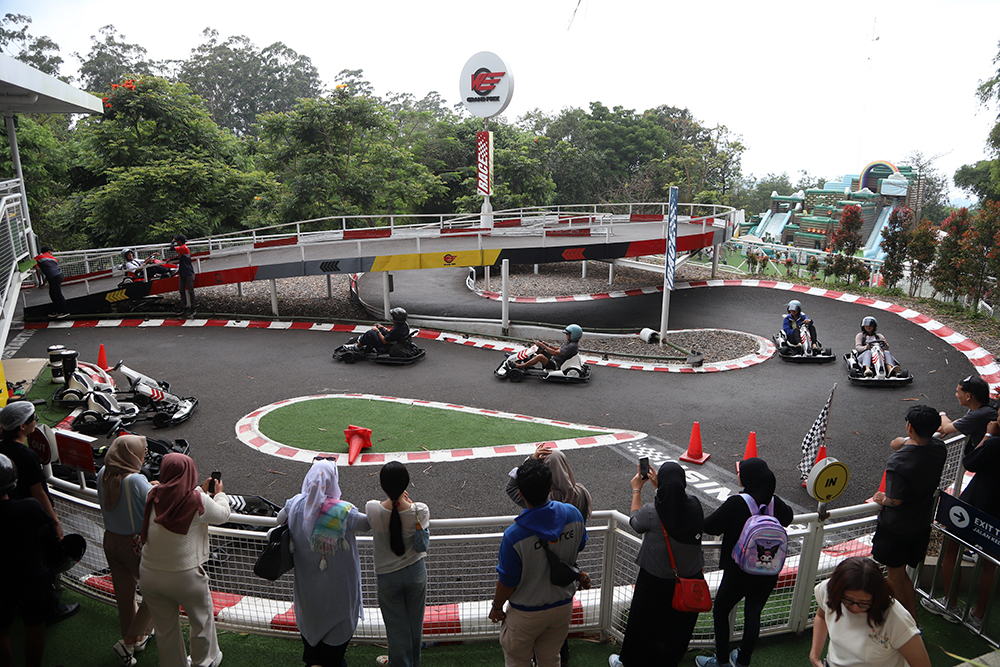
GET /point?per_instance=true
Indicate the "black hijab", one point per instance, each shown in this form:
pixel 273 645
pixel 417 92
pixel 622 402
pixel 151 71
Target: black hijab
pixel 680 513
pixel 758 480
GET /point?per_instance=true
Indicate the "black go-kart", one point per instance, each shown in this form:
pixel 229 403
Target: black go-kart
pixel 398 354
pixel 806 352
pixel 881 375
pixel 571 370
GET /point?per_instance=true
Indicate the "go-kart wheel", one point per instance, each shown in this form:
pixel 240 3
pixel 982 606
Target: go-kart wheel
pixel 71 395
pixel 572 372
pixel 903 374
pixel 161 420
pixel 89 417
pixel 164 385
pixel 827 351
pixel 515 374
pixel 142 401
pixel 348 357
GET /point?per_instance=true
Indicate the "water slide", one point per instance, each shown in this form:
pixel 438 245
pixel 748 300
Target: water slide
pixel 873 249
pixel 763 221
pixel 773 226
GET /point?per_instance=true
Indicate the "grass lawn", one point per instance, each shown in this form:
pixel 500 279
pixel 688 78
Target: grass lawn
pixel 399 427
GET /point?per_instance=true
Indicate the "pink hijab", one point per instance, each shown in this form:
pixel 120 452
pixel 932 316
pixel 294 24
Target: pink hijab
pixel 176 498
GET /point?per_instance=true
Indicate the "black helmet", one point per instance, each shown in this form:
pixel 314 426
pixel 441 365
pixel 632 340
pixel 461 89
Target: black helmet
pixel 71 549
pixel 869 321
pixel 398 314
pixel 8 476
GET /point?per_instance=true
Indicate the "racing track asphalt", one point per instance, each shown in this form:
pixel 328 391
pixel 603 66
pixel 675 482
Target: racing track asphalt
pixel 233 371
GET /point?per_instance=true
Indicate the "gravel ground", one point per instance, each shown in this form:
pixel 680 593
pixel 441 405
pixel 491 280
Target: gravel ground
pixel 306 298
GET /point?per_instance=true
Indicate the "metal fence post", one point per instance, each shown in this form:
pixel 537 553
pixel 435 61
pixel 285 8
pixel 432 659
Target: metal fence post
pixel 812 547
pixel 608 576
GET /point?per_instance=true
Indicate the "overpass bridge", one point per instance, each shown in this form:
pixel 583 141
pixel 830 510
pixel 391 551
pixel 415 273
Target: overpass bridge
pixel 93 279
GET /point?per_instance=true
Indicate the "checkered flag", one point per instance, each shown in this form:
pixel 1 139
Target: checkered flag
pixel 815 437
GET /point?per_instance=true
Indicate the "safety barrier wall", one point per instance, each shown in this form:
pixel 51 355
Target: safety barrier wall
pixel 13 248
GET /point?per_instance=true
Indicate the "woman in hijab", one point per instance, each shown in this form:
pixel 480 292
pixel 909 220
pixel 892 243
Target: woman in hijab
pixel 175 533
pixel 758 484
pixel 327 588
pixel 121 493
pixel 656 633
pixel 399 564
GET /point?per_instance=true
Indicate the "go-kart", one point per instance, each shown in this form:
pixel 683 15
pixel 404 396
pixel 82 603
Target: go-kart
pixel 880 376
pixel 807 351
pixel 153 396
pixel 397 354
pixel 571 370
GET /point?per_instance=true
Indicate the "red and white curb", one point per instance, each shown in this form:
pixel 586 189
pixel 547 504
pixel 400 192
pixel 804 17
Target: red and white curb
pixel 618 294
pixel 248 432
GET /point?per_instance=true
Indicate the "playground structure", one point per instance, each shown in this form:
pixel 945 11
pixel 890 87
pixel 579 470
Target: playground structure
pixel 809 219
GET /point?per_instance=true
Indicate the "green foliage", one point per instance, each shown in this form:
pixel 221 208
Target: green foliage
pixel 813 265
pixel 44 165
pixel 39 52
pixel 921 250
pixel 947 276
pixel 847 242
pixel 895 238
pixel 981 180
pixel 979 260
pixel 110 59
pixel 239 82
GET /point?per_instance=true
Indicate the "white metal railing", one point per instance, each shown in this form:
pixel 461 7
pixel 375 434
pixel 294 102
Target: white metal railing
pixel 461 567
pixel 14 248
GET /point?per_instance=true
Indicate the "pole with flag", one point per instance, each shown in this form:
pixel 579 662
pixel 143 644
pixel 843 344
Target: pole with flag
pixel 815 441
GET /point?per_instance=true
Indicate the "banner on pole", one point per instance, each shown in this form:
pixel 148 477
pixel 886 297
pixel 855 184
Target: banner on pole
pixel 484 163
pixel 671 251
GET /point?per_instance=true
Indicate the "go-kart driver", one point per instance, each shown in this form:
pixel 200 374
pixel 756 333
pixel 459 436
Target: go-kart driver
pixel 792 326
pixel 863 345
pixel 552 357
pixel 154 268
pixel 380 338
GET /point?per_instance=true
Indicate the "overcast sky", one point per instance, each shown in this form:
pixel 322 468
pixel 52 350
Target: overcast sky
pixel 821 87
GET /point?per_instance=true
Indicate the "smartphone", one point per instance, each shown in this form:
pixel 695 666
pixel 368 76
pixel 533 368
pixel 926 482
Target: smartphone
pixel 211 483
pixel 644 467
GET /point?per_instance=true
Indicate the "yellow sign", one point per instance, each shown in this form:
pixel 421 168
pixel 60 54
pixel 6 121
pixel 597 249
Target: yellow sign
pixel 827 480
pixel 438 260
pixel 117 295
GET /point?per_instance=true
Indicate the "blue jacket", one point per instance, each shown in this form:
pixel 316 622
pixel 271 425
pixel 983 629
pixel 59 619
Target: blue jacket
pixel 791 324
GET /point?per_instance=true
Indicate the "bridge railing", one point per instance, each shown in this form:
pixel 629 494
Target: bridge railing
pixel 461 570
pixel 14 248
pixel 85 265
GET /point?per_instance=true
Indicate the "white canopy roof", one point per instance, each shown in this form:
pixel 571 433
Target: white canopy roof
pixel 23 89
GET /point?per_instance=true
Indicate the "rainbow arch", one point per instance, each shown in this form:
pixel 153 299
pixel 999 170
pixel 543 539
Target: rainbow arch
pixel 872 165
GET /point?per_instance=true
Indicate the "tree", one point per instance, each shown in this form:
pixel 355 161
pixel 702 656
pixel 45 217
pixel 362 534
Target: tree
pixel 936 201
pixel 921 253
pixel 978 180
pixel 846 242
pixel 240 82
pixel 895 238
pixel 756 194
pixel 947 276
pixel 332 157
pixel 156 165
pixel 979 259
pixel 44 164
pixel 110 59
pixel 39 52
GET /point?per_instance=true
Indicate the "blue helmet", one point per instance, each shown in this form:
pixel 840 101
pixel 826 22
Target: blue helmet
pixel 794 305
pixel 574 331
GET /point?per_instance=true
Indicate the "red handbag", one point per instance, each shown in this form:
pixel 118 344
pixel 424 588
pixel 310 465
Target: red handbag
pixel 690 595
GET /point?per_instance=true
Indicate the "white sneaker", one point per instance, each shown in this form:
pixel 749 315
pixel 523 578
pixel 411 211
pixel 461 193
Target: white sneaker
pixel 975 622
pixel 382 661
pixel 937 607
pixel 613 661
pixel 124 653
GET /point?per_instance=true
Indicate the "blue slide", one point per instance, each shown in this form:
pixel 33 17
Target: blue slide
pixel 763 221
pixel 873 249
pixel 773 226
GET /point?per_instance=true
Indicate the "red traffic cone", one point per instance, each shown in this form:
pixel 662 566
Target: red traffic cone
pixel 102 359
pixel 881 487
pixel 694 453
pixel 820 455
pixel 357 438
pixel 751 451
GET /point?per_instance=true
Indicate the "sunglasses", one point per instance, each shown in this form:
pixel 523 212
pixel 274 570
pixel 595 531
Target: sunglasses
pixel 324 458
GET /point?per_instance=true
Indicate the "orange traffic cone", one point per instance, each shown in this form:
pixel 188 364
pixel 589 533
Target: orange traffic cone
pixel 881 487
pixel 694 453
pixel 357 438
pixel 820 455
pixel 102 359
pixel 751 451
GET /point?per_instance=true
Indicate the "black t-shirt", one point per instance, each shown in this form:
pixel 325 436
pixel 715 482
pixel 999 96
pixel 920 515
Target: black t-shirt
pixel 398 333
pixel 568 350
pixel 728 521
pixel 973 424
pixel 983 491
pixel 29 469
pixel 26 534
pixel 913 474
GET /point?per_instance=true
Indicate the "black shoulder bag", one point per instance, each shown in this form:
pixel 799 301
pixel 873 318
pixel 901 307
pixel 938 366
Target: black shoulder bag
pixel 561 573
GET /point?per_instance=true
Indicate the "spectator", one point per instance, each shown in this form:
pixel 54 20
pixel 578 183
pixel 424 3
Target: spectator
pixel 537 620
pixel 656 633
pixel 175 533
pixel 973 394
pixel 399 534
pixel 28 535
pixel 48 266
pixel 983 493
pixel 758 483
pixel 121 493
pixel 327 591
pixel 912 475
pixel 565 489
pixel 866 626
pixel 185 274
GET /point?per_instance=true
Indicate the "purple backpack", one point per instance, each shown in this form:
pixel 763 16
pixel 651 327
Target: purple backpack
pixel 763 541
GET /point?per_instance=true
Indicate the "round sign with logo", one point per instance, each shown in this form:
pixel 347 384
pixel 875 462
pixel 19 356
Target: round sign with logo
pixel 827 480
pixel 486 85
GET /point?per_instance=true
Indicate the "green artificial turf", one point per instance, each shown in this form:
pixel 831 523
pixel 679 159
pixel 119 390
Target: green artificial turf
pixel 399 427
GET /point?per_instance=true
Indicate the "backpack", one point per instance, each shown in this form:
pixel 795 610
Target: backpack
pixel 763 541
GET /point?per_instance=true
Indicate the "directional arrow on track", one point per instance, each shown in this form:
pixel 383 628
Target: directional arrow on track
pixel 117 295
pixel 573 253
pixel 330 267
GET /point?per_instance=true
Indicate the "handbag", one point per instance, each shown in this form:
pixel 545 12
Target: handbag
pixel 561 573
pixel 690 595
pixel 421 538
pixel 276 558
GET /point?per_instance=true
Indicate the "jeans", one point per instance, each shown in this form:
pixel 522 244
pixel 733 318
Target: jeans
pixel 401 597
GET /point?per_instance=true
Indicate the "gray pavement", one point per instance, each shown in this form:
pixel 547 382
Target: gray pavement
pixel 234 371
